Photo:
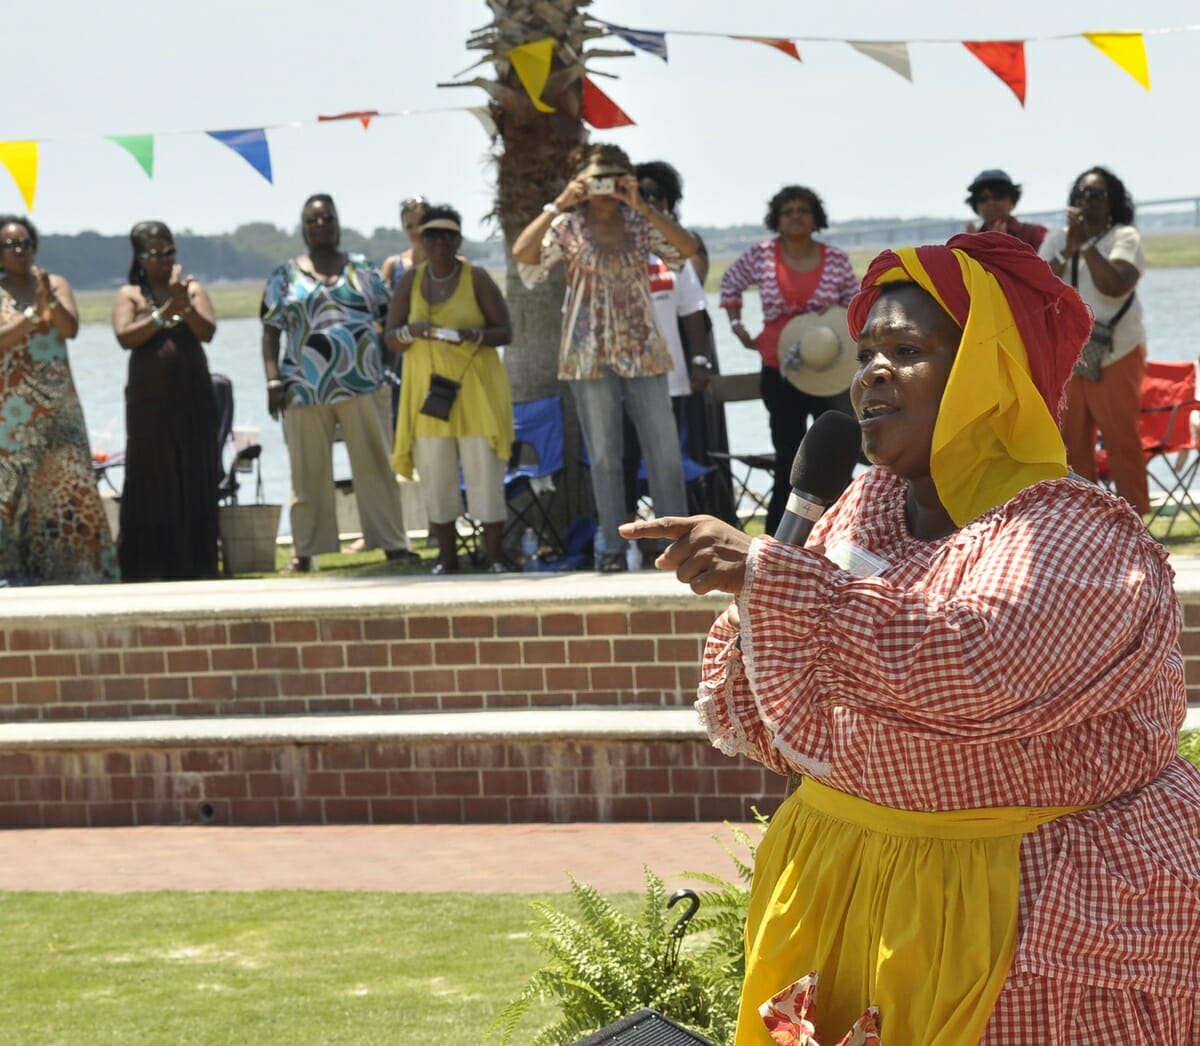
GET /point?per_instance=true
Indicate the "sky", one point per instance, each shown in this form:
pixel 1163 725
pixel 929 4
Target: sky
pixel 737 118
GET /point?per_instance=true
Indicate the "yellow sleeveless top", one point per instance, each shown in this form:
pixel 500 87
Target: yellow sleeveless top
pixel 484 403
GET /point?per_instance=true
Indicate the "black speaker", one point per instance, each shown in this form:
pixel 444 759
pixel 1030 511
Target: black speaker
pixel 645 1028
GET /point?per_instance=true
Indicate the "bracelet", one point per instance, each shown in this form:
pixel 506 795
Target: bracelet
pixel 156 316
pixel 30 313
pixel 702 361
pixel 275 383
pixel 736 325
pixel 404 335
pixel 551 208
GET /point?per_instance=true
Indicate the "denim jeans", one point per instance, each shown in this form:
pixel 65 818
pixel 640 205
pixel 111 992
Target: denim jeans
pixel 598 403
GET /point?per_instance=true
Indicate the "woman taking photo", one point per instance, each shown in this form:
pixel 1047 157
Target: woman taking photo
pixel 52 522
pixel 794 274
pixel 447 317
pixel 330 303
pixel 169 500
pixel 612 351
pixel 1100 253
pixel 993 841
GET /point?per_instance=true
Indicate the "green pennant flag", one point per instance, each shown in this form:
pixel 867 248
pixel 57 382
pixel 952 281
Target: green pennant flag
pixel 140 147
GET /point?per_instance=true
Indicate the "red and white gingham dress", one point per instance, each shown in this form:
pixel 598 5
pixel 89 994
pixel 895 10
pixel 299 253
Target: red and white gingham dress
pixel 1030 658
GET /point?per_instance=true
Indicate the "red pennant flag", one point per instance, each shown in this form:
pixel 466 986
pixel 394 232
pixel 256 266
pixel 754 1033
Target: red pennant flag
pixel 780 44
pixel 601 111
pixel 1004 58
pixel 363 116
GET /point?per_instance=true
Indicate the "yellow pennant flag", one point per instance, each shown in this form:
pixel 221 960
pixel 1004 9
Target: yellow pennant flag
pixel 1128 50
pixel 532 63
pixel 21 159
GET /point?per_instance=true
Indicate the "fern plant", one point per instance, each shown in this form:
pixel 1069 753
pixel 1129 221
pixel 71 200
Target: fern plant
pixel 604 964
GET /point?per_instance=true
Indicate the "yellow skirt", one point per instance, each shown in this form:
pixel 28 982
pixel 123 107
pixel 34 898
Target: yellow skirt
pixel 915 913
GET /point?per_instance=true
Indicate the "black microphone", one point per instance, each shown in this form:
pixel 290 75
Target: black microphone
pixel 821 471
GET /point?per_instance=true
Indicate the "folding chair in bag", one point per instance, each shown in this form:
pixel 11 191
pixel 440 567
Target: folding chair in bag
pixel 1172 457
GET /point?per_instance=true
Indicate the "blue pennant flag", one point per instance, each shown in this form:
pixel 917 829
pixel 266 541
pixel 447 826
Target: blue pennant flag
pixel 250 145
pixel 644 39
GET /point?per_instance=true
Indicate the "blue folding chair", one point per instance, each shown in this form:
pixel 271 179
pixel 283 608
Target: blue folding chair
pixel 529 480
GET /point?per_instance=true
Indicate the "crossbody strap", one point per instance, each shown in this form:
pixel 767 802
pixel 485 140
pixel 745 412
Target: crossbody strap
pixel 1120 312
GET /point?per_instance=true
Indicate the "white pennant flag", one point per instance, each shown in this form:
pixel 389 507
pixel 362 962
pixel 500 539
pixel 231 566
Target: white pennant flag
pixel 893 55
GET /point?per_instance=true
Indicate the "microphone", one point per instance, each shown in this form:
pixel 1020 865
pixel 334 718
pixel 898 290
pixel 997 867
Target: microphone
pixel 821 471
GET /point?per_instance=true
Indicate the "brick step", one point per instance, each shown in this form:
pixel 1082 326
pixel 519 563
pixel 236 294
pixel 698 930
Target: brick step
pixel 557 765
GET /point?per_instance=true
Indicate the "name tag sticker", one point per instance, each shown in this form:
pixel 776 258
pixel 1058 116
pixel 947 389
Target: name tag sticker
pixel 856 560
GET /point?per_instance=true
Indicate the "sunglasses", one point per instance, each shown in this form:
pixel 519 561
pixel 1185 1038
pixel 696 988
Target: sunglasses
pixel 413 201
pixel 1089 192
pixel 795 211
pixel 432 234
pixel 168 252
pixel 320 219
pixel 13 245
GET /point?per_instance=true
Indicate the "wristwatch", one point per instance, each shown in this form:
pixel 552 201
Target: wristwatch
pixel 551 208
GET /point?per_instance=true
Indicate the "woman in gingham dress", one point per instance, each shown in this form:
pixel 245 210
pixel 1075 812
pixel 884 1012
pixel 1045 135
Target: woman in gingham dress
pixel 981 682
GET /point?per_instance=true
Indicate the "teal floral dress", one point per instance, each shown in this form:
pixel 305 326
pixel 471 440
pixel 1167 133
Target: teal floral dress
pixel 52 522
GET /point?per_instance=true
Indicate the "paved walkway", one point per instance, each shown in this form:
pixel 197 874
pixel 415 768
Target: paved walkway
pixel 525 858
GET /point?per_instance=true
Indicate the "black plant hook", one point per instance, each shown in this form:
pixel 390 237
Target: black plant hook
pixel 675 934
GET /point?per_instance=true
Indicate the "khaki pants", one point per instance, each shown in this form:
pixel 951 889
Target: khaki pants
pixel 308 432
pixel 1111 406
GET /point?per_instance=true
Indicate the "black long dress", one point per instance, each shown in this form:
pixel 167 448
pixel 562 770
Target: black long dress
pixel 169 501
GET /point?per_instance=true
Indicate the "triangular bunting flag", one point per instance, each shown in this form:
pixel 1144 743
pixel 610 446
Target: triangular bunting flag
pixel 893 55
pixel 140 147
pixel 601 111
pixel 532 65
pixel 643 39
pixel 250 144
pixel 484 116
pixel 1128 50
pixel 1005 58
pixel 786 46
pixel 363 116
pixel 21 159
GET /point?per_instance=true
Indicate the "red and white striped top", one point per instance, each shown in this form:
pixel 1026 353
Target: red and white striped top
pixel 756 267
pixel 1030 658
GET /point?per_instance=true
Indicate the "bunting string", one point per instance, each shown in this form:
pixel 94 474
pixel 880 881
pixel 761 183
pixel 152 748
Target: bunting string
pixel 532 63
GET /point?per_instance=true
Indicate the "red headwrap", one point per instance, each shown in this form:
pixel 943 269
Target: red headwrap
pixel 1052 319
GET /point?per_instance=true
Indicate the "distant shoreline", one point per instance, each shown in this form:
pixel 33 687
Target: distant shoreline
pixel 240 299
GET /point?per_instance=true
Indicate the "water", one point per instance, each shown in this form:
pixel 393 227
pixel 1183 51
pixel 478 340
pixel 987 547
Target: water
pixel 1170 297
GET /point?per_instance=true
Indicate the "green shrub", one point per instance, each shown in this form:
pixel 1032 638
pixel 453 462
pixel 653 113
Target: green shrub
pixel 604 964
pixel 1189 746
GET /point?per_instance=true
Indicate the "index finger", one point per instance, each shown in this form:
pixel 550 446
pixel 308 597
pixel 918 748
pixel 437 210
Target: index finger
pixel 673 527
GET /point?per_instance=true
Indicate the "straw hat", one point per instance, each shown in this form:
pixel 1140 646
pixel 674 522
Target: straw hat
pixel 817 354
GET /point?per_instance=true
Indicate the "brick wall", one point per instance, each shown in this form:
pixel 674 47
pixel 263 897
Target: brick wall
pixel 339 783
pixel 383 660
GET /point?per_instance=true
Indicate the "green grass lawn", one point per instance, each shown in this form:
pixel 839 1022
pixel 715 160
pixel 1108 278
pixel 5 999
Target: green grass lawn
pixel 277 967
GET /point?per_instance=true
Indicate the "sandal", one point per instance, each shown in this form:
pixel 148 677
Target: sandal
pixel 611 563
pixel 300 565
pixel 405 555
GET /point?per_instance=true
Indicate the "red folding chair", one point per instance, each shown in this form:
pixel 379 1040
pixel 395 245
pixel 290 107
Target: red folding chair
pixel 1168 442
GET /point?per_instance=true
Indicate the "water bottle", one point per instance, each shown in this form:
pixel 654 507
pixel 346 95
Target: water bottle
pixel 529 550
pixel 633 556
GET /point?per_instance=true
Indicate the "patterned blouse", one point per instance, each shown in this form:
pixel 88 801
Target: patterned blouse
pixel 608 315
pixel 1030 658
pixel 332 351
pixel 757 266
